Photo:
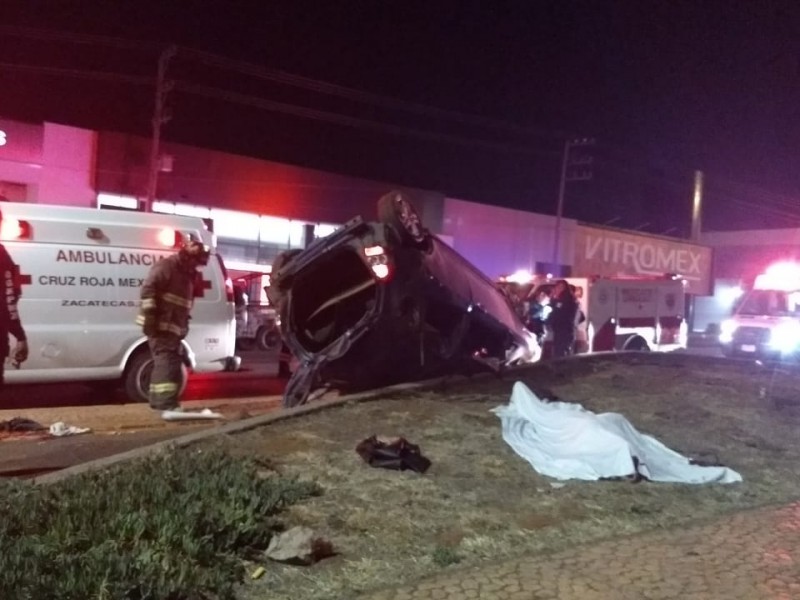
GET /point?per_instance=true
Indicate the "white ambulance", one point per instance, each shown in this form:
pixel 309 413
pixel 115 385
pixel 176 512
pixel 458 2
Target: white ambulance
pixel 80 270
pixel 766 322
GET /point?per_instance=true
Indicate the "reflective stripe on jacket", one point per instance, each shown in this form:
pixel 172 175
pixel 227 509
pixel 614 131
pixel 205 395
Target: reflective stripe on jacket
pixel 167 295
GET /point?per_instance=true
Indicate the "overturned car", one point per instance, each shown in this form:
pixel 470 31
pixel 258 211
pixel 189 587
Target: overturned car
pixel 383 302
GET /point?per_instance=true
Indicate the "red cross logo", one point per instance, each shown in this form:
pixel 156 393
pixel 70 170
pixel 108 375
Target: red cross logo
pixel 200 286
pixel 22 279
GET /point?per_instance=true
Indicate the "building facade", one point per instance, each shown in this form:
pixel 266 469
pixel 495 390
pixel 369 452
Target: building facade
pixel 258 208
pixel 47 163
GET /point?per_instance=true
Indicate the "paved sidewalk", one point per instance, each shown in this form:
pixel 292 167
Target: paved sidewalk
pixel 753 555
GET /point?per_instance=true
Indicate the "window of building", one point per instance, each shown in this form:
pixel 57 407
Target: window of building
pixel 116 201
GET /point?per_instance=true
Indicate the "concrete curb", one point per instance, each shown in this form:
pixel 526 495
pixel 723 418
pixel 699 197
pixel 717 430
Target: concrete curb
pixel 259 421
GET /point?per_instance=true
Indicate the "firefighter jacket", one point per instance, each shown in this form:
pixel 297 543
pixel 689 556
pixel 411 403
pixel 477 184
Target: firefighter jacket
pixel 9 315
pixel 167 296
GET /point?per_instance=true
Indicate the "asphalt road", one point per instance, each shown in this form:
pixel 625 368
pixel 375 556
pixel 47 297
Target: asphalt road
pixel 257 377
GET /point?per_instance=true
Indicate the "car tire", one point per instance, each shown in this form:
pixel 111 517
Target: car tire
pixel 268 338
pixel 137 376
pixel 396 210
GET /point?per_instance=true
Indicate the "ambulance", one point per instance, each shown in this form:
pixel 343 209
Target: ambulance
pixel 766 321
pixel 620 313
pixel 80 270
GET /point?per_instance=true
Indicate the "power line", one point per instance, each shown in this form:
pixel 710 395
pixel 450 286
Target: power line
pixel 338 119
pixel 78 73
pixel 78 38
pixel 274 106
pixel 361 96
pixel 282 77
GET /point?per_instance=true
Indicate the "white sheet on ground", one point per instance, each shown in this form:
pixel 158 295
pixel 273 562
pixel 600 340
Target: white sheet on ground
pixel 566 441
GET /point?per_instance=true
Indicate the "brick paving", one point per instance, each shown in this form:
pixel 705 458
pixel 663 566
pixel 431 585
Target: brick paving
pixel 753 555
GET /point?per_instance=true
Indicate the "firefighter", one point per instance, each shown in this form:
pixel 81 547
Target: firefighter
pixel 562 319
pixel 167 297
pixel 9 315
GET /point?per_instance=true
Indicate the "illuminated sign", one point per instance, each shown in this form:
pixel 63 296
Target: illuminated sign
pixel 612 253
pixel 3 138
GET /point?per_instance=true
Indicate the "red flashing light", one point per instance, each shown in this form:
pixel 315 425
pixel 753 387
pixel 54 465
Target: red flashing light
pixel 168 237
pixel 381 271
pixel 13 230
pixel 783 276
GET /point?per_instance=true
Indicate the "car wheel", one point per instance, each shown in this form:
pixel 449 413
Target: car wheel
pixel 395 209
pixel 268 338
pixel 137 376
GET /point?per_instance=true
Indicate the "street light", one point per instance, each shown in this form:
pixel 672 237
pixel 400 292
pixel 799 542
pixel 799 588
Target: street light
pixel 583 174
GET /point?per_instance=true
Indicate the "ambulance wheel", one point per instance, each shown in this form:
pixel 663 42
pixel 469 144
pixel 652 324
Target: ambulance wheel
pixel 268 339
pixel 137 376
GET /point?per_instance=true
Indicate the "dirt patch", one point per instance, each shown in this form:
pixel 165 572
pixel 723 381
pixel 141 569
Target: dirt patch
pixel 481 502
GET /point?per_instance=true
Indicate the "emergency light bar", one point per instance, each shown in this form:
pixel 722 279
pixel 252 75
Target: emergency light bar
pixel 169 237
pixel 783 276
pixel 12 230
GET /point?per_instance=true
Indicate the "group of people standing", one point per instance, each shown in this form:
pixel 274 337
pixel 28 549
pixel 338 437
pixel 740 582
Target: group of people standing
pixel 557 310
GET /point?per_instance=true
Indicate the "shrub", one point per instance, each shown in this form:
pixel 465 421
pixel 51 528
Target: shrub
pixel 172 527
pixel 444 556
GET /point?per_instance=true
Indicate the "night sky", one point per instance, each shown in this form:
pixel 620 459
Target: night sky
pixel 663 87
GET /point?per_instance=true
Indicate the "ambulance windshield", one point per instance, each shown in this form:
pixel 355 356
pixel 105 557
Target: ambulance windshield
pixel 772 303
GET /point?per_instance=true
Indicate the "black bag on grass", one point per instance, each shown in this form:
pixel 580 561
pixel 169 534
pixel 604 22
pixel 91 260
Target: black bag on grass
pixel 398 455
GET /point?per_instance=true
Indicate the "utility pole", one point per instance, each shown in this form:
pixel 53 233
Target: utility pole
pixel 697 206
pixel 583 174
pixel 160 116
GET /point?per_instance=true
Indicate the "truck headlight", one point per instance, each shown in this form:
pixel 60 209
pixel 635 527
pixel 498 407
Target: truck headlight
pixel 726 331
pixel 785 337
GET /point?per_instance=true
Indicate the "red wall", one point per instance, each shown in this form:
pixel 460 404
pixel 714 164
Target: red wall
pixel 212 178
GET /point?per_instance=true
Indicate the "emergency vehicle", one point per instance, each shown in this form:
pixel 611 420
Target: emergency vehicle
pixel 80 270
pixel 637 314
pixel 766 321
pixel 257 323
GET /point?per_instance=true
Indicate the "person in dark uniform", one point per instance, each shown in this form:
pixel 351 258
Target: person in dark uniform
pixel 539 308
pixel 562 319
pixel 167 297
pixel 9 315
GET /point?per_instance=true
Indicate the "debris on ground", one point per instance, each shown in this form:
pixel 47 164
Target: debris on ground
pixel 18 424
pixel 190 415
pixel 61 429
pixel 397 454
pixel 298 546
pixel 20 427
pixel 565 441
